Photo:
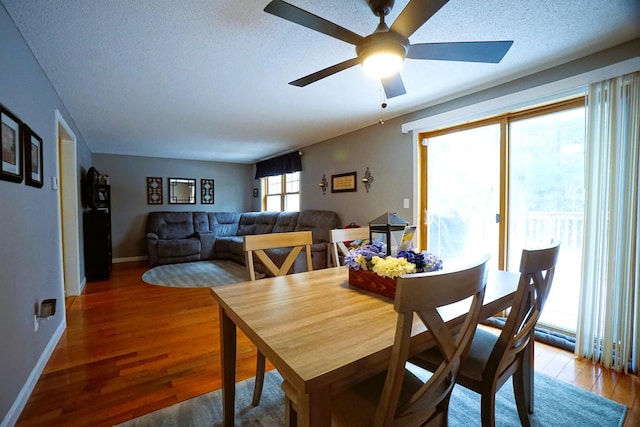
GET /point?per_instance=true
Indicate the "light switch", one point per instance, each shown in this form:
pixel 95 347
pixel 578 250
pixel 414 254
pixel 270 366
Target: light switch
pixel 54 182
pixel 406 203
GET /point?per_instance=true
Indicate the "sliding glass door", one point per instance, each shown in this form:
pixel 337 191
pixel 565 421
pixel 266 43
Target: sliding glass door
pixel 463 198
pixel 546 200
pixel 512 182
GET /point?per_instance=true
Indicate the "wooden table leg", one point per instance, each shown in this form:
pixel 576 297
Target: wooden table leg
pixel 314 410
pixel 228 362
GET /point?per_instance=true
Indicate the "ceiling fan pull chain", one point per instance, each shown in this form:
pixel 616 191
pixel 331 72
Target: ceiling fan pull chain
pixel 383 105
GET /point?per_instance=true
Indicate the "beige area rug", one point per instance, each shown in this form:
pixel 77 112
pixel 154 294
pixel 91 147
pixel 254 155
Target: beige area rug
pixel 556 404
pixel 196 274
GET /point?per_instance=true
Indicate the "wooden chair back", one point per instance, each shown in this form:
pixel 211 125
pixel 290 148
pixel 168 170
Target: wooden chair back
pixel 423 294
pixel 338 236
pixel 492 360
pixel 257 244
pixel 537 268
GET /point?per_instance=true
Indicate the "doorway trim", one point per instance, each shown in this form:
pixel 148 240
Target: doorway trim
pixel 69 225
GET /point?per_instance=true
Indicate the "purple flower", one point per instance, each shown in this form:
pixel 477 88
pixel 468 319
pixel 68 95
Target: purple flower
pixel 431 262
pixel 367 252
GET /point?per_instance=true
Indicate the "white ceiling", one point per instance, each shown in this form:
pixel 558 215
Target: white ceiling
pixel 207 79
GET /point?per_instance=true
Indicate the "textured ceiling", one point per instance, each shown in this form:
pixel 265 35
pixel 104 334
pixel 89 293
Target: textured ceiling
pixel 207 79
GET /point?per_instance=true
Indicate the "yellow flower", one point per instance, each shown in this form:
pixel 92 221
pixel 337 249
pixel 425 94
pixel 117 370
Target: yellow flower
pixel 392 267
pixel 362 261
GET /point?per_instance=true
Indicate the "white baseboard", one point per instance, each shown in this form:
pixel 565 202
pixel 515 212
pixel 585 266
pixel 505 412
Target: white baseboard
pixel 130 259
pixel 18 405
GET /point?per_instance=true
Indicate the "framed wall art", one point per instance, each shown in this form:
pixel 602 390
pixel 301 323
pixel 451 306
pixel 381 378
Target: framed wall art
pixel 33 157
pixel 182 191
pixel 207 191
pixel 11 169
pixel 154 190
pixel 344 182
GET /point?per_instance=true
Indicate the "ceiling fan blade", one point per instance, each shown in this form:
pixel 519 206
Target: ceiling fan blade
pixel 393 86
pixel 319 75
pixel 299 16
pixel 415 14
pixel 491 52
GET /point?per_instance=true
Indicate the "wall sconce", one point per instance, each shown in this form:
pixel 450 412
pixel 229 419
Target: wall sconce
pixel 368 179
pixel 323 184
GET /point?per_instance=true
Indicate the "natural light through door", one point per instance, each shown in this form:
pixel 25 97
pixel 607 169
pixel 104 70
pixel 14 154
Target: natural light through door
pixel 463 197
pixel 546 200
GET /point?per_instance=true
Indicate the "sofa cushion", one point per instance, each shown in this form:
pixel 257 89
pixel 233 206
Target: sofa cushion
pixel 319 223
pixel 171 225
pixel 200 222
pixel 230 244
pixel 179 248
pixel 257 222
pixel 286 222
pixel 224 223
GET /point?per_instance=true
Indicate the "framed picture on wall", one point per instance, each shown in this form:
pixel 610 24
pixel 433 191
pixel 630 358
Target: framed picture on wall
pixel 344 182
pixel 11 169
pixel 154 190
pixel 207 191
pixel 32 157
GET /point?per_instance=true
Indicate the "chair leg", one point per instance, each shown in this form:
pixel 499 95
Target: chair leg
pixel 519 390
pixel 440 418
pixel 488 409
pixel 257 388
pixel 527 374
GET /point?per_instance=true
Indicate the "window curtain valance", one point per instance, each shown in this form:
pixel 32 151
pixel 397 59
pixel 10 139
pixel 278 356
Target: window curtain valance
pixel 287 163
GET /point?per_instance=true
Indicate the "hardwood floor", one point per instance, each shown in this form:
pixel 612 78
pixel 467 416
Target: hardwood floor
pixel 131 348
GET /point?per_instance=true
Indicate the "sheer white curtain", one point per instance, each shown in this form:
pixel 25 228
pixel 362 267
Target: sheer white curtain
pixel 609 316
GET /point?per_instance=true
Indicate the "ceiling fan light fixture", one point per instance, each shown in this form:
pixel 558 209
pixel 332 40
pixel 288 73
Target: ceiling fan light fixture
pixel 382 53
pixel 382 64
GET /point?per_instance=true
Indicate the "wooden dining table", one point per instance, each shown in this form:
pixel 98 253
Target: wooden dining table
pixel 323 335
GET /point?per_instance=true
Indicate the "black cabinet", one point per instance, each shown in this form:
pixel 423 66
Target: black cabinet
pixel 97 244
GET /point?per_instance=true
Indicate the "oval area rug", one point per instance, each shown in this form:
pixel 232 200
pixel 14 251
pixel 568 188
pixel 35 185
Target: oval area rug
pixel 197 274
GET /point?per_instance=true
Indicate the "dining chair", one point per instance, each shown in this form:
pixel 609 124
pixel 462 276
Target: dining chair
pixel 398 397
pixel 291 244
pixel 339 236
pixel 493 359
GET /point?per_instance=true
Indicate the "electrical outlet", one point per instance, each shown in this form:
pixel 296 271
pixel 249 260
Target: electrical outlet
pixel 36 324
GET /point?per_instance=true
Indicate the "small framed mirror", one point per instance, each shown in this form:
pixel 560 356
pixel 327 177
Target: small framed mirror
pixel 182 191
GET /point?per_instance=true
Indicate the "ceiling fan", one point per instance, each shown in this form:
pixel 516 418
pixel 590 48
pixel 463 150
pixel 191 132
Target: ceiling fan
pixel 386 48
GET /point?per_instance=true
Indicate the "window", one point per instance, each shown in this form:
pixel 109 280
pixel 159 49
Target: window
pixel 281 192
pixel 514 181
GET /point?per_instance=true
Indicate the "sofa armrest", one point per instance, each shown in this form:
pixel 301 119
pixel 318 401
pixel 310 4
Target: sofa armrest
pixel 207 243
pixel 152 248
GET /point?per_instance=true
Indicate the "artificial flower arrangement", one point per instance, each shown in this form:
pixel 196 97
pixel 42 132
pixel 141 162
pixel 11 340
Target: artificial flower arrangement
pixel 372 257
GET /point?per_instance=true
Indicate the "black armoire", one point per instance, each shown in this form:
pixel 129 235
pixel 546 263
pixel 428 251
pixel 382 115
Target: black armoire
pixel 97 235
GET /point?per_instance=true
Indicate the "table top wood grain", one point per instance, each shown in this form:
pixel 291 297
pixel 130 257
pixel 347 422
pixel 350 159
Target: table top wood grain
pixel 320 332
